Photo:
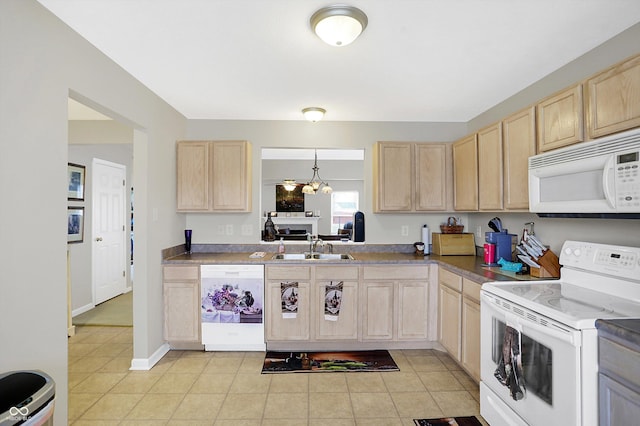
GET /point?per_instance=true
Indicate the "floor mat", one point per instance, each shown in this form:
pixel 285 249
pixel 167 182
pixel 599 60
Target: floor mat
pixel 114 312
pixel 324 362
pixel 449 421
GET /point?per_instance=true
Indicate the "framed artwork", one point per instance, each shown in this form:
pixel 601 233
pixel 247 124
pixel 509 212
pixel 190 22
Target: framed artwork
pixel 75 181
pixel 289 201
pixel 75 224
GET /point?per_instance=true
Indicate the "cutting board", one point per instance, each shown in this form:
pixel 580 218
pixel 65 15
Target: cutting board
pixel 453 244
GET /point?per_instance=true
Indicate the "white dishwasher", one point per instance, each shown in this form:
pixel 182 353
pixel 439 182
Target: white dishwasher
pixel 232 307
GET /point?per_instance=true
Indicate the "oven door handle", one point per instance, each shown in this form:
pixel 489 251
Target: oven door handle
pixel 571 337
pixel 514 321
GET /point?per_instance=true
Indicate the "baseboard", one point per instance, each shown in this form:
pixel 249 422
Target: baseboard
pixel 148 363
pixel 82 309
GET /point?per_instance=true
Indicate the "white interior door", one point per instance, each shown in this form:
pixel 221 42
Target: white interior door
pixel 108 230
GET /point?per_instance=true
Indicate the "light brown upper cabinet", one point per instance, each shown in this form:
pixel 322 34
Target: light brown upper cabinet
pixel 213 176
pixel 518 144
pixel 613 99
pixel 411 177
pixel 465 173
pixel 560 119
pixel 490 187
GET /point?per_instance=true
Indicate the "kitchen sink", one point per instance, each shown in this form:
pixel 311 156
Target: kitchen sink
pixel 314 256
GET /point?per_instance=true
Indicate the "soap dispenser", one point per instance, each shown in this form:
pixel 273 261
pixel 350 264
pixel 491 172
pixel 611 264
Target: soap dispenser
pixel 281 247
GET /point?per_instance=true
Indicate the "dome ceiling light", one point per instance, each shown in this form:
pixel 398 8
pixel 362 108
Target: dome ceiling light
pixel 313 114
pixel 339 25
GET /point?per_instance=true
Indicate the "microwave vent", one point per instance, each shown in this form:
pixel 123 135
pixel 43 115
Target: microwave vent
pixel 624 142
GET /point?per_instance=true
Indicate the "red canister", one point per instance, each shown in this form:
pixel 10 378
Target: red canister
pixel 489 253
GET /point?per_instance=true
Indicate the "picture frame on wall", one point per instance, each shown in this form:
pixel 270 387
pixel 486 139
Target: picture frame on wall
pixel 75 182
pixel 75 224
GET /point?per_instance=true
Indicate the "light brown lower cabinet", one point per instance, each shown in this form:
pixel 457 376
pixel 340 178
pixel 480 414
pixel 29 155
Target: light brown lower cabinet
pixel 459 320
pixel 379 304
pixel 277 327
pixel 181 291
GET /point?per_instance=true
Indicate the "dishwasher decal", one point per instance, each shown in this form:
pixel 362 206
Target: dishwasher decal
pixel 239 301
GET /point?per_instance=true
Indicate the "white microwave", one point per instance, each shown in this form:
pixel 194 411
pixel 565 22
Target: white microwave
pixel 600 177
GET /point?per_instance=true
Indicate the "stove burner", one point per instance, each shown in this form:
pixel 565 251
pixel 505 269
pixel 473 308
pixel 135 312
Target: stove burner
pixel 536 289
pixel 565 304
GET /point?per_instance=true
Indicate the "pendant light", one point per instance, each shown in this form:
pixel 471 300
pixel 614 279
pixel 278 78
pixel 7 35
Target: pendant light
pixel 316 182
pixel 338 25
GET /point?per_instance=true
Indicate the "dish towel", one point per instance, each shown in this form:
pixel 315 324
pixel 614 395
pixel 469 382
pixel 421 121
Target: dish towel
pixel 509 371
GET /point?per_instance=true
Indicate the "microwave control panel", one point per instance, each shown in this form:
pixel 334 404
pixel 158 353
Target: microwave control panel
pixel 627 177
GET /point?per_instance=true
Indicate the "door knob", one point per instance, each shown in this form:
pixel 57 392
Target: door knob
pixel 99 239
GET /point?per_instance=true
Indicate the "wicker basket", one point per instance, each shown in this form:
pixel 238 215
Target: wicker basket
pixel 452 227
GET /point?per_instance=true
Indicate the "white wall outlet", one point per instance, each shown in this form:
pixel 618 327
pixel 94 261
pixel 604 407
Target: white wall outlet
pixel 228 229
pixel 404 230
pixel 479 232
pixel 246 230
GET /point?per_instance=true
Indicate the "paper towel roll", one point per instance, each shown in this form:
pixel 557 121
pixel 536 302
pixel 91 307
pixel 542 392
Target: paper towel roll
pixel 425 238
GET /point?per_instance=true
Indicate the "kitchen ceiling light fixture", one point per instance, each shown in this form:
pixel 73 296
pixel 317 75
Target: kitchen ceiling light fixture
pixel 338 25
pixel 313 114
pixel 316 181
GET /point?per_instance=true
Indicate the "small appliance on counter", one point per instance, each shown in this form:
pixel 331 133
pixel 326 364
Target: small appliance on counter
pixel 499 244
pixel 358 227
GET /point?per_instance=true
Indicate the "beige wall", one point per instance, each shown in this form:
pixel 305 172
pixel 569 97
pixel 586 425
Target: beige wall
pixel 43 62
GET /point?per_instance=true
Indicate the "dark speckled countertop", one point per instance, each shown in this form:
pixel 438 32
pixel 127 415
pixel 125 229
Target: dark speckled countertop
pixel 624 330
pixel 468 266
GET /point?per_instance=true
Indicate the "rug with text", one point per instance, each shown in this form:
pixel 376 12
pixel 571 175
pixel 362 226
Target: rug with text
pixel 320 362
pixel 449 421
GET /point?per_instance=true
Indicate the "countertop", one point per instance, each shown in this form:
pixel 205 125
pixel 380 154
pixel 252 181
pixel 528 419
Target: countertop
pixel 625 330
pixel 469 266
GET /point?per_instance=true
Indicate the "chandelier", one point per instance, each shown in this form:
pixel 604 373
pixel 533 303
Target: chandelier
pixel 316 183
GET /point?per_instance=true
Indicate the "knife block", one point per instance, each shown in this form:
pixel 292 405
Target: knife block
pixel 549 266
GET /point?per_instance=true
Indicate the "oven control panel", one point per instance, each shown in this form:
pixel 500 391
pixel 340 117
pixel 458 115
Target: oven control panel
pixel 620 261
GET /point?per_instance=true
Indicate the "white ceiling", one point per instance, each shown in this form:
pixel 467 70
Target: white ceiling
pixel 418 60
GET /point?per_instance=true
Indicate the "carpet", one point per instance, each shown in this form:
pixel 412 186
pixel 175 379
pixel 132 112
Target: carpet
pixel 114 312
pixel 324 362
pixel 449 421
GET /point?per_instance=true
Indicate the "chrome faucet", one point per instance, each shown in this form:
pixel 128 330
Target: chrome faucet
pixel 310 239
pixel 330 247
pixel 315 244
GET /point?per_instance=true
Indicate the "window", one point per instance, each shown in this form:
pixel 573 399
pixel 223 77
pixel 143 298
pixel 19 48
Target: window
pixel 343 205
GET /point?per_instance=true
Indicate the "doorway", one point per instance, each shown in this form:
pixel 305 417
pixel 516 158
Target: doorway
pixel 93 135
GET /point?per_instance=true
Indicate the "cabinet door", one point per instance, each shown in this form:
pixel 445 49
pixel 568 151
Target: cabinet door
pixel 450 311
pixel 613 99
pixel 519 144
pixel 431 181
pixel 490 168
pixel 346 326
pixel 377 318
pixel 471 337
pixel 192 176
pixel 182 311
pixel 393 177
pixel 465 174
pixel 412 314
pixel 561 119
pixel 279 328
pixel 231 181
pixel 619 405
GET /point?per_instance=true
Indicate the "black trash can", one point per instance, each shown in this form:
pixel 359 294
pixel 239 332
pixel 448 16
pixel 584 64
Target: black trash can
pixel 26 398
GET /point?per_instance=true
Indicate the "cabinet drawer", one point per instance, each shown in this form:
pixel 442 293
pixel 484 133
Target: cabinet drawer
pixel 336 272
pixel 178 273
pixel 449 279
pixel 615 360
pixel 471 289
pixel 396 272
pixel 288 272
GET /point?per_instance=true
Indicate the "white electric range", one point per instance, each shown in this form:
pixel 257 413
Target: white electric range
pixel 539 341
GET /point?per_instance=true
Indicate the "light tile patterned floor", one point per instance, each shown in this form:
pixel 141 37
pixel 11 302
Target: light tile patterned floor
pixel 227 388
